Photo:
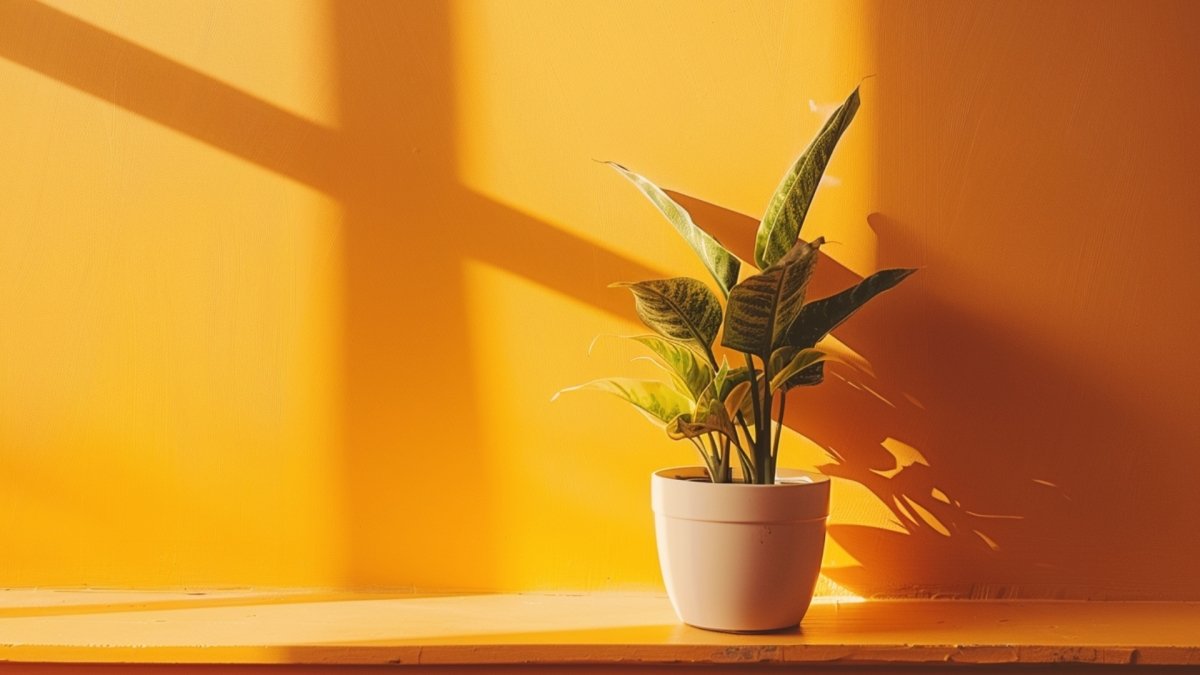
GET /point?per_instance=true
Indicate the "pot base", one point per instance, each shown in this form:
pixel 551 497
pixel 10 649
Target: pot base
pixel 794 628
pixel 762 542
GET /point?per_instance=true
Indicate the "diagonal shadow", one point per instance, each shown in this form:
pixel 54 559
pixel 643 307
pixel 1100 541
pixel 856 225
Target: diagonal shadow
pixel 165 91
pixel 408 228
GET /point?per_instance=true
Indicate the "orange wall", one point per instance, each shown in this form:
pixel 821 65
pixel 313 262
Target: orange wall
pixel 285 289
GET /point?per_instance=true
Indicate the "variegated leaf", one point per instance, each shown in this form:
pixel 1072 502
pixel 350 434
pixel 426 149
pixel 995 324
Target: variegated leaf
pixel 788 207
pixel 679 309
pixel 708 416
pixel 688 368
pixel 818 318
pixel 738 395
pixel 720 262
pixel 734 378
pixel 788 362
pixel 683 427
pixel 763 306
pixel 658 400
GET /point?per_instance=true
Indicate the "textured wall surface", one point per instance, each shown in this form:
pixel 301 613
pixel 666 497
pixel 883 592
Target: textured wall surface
pixel 285 288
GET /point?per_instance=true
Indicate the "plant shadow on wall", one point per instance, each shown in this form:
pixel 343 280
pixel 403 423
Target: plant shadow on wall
pixel 390 163
pixel 931 522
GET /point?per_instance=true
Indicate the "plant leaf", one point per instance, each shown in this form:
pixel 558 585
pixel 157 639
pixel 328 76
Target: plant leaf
pixel 683 427
pixel 818 318
pixel 736 377
pixel 809 377
pixel 679 309
pixel 789 362
pixel 709 415
pixel 720 262
pixel 691 371
pixel 658 400
pixel 737 396
pixel 763 306
pixel 785 213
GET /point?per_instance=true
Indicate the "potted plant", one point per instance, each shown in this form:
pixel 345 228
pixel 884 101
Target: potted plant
pixel 739 540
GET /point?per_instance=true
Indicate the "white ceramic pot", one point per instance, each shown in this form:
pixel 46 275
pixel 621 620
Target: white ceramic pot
pixel 739 557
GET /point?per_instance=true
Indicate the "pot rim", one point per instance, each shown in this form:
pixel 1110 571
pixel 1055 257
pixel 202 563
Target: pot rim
pixel 792 502
pixel 784 478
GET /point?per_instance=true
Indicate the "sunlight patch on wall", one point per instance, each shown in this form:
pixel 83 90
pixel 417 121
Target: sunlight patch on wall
pixel 855 504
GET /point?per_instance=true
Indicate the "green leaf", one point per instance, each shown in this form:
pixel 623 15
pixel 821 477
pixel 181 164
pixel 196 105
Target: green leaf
pixel 691 371
pixel 762 307
pixel 738 396
pixel 720 262
pixel 788 362
pixel 709 415
pixel 733 380
pixel 658 400
pixel 809 377
pixel 680 309
pixel 683 427
pixel 818 318
pixel 789 205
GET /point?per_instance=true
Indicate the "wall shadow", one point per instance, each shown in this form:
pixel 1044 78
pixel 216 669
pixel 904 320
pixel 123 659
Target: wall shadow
pixel 418 488
pixel 1017 418
pixel 1016 166
pixel 970 432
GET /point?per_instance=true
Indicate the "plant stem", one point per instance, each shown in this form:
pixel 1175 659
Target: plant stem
pixel 779 432
pixel 717 466
pixel 726 468
pixel 763 448
pixel 745 428
pixel 703 454
pixel 754 399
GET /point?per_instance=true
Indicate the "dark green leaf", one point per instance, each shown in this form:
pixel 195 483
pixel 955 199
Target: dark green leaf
pixel 789 362
pixel 818 318
pixel 810 376
pixel 679 309
pixel 789 205
pixel 763 306
pixel 720 262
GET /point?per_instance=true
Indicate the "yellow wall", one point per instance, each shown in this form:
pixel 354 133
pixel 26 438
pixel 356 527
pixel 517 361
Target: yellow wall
pixel 285 288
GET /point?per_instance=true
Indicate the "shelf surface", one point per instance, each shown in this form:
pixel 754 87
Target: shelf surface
pixel 307 627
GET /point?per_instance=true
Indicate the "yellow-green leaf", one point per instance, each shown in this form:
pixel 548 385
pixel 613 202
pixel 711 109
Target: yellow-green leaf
pixel 658 400
pixel 720 262
pixel 788 207
pixel 680 309
pixel 709 417
pixel 688 368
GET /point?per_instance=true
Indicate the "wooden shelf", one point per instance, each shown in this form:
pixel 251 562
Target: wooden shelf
pixel 306 627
